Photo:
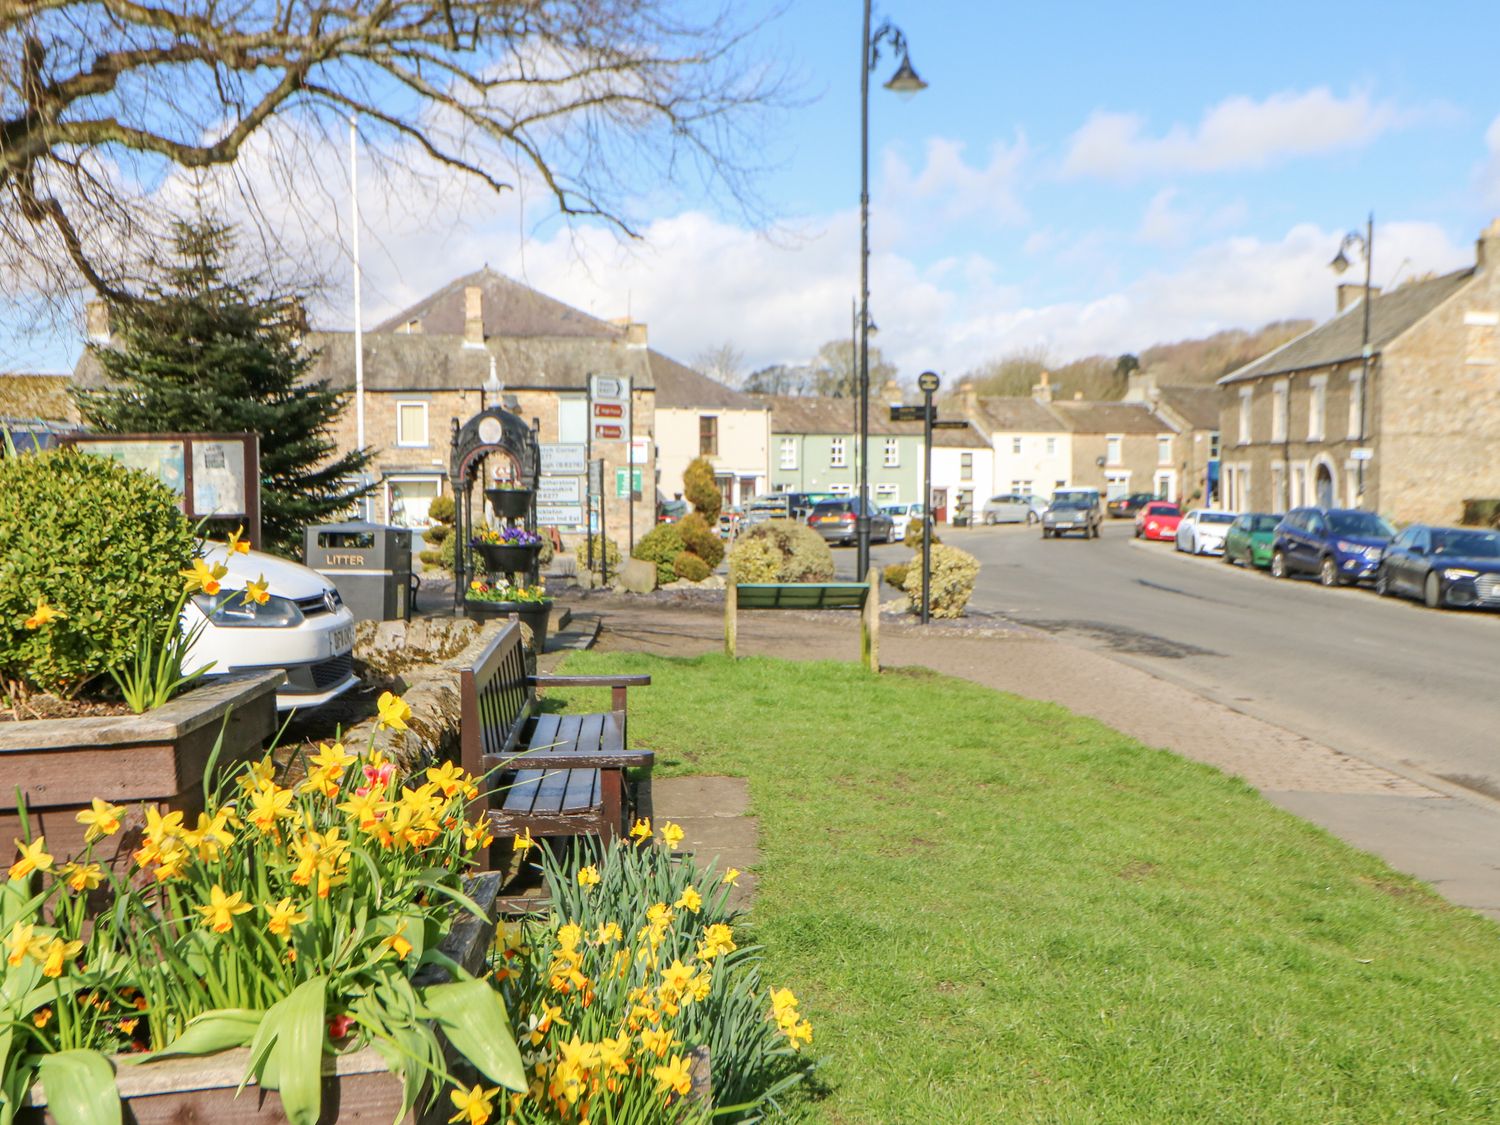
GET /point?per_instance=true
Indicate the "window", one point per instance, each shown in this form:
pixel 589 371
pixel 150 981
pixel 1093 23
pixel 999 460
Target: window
pixel 1279 397
pixel 1483 330
pixel 886 494
pixel 1015 445
pixel 1164 449
pixel 1357 405
pixel 1051 446
pixel 1116 485
pixel 708 435
pixel 1060 484
pixel 1245 394
pixel 892 452
pixel 841 489
pixel 1278 485
pixel 411 423
pixel 1213 446
pixel 1021 487
pixel 408 499
pixel 788 453
pixel 1317 407
pixel 572 419
pixel 966 466
pixel 836 453
pixel 1112 449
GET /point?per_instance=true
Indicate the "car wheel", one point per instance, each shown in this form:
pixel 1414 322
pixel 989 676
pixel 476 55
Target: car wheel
pixel 1432 592
pixel 1031 518
pixel 1278 564
pixel 1227 557
pixel 1096 531
pixel 989 519
pixel 1328 572
pixel 1046 534
pixel 1382 583
pixel 1138 531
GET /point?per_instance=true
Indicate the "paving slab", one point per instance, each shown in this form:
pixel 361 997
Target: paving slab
pixel 717 830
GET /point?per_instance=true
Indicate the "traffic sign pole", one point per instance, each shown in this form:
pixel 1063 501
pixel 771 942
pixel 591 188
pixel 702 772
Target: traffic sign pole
pixel 928 382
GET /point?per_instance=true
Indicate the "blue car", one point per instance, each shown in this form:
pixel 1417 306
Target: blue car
pixel 1443 566
pixel 1339 545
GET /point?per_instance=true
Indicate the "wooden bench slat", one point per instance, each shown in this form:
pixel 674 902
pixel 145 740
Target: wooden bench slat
pixel 603 760
pixel 582 789
pixel 522 793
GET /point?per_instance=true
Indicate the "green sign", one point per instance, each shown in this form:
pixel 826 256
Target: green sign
pixel 622 488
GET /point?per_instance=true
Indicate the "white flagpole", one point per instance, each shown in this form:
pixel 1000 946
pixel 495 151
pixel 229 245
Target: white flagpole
pixel 359 337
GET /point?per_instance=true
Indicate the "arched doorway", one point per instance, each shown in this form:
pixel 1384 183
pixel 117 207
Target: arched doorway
pixel 1323 485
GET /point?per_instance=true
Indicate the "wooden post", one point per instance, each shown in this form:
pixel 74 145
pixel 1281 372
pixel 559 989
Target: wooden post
pixel 701 1075
pixel 731 607
pixel 869 623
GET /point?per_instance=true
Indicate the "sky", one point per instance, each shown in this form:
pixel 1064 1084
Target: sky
pixel 1078 178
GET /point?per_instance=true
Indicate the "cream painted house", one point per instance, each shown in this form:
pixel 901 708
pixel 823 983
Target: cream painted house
pixel 699 417
pixel 1031 449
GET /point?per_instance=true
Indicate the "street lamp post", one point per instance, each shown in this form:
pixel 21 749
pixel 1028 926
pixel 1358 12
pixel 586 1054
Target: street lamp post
pixel 904 81
pixel 1365 243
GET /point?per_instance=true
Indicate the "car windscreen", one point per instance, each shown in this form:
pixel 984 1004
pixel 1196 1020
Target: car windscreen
pixel 1359 523
pixel 1264 523
pixel 1216 517
pixel 1163 510
pixel 1468 544
pixel 1070 506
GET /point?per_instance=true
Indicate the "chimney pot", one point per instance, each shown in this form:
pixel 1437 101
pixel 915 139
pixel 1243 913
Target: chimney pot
pixel 473 317
pixel 96 317
pixel 1487 250
pixel 1042 392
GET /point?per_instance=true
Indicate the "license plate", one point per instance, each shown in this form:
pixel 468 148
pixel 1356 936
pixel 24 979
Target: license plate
pixel 342 640
pixel 1065 525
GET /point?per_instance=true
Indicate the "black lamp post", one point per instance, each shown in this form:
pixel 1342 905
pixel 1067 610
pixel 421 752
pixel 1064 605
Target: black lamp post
pixel 904 81
pixel 1365 244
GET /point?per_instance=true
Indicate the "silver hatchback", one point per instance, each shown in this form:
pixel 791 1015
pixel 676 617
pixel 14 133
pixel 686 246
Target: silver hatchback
pixel 1012 508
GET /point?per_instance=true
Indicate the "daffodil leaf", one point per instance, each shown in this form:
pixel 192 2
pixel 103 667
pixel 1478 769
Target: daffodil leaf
pixel 80 1088
pixel 298 1051
pixel 212 1031
pixel 472 1015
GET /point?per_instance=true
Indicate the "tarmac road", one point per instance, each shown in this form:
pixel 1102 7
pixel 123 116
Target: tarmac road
pixel 1384 680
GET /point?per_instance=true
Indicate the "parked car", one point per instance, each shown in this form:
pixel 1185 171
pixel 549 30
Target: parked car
pixel 1339 545
pixel 1090 495
pixel 1158 520
pixel 902 517
pixel 1443 566
pixel 1123 507
pixel 834 521
pixel 774 506
pixel 1250 539
pixel 670 511
pixel 802 503
pixel 1068 515
pixel 1013 507
pixel 303 628
pixel 1202 531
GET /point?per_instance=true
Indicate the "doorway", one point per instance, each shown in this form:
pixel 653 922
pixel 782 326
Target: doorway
pixel 1323 483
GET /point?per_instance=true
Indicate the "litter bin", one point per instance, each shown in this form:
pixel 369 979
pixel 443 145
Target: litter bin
pixel 370 563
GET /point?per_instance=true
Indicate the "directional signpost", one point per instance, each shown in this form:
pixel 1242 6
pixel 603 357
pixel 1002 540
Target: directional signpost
pixel 928 383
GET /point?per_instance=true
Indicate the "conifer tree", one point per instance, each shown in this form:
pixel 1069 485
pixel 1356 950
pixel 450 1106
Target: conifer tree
pixel 209 351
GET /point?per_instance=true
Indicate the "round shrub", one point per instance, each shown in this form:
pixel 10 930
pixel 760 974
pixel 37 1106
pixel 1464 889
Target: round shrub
pixel 952 583
pixel 606 550
pixel 702 491
pixel 895 575
pixel 103 544
pixel 661 545
pixel 441 509
pixel 690 566
pixel 781 551
pixel 914 531
pixel 701 539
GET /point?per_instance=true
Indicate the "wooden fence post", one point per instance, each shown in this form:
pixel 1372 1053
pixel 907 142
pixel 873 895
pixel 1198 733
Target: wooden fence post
pixel 731 625
pixel 869 624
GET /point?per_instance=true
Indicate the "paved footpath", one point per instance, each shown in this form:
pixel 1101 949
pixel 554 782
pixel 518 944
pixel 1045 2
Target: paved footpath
pixel 1447 839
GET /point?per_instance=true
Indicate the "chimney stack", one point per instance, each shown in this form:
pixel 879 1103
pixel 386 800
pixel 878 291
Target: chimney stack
pixel 473 317
pixel 1487 250
pixel 1352 293
pixel 968 396
pixel 635 332
pixel 891 392
pixel 1042 391
pixel 96 322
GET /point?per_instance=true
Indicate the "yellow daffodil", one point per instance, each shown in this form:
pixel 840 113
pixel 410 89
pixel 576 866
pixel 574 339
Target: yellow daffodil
pixel 675 977
pixel 702 985
pixel 56 955
pixel 524 843
pixel 283 916
pixel 22 943
pixel 34 857
pixel 221 910
pixel 782 1000
pixel 690 900
pixel 797 1033
pixel 718 939
pixel 732 876
pixel 607 932
pixel 100 819
pixel 257 592
pixel 588 877
pixel 81 877
pixel 474 1105
pixel 211 836
pixel 393 711
pixel 44 615
pixel 203 577
pixel 659 1041
pixel 671 835
pixel 397 942
pixel 269 805
pixel 674 1077
pixel 478 834
pixel 332 756
pixel 238 544
pixel 42 1018
pixel 640 831
pixel 659 914
pixel 614 1055
pixel 258 775
pixel 449 777
pixel 365 809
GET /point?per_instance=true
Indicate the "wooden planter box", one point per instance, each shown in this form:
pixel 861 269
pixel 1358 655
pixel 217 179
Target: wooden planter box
pixel 356 1086
pixel 157 758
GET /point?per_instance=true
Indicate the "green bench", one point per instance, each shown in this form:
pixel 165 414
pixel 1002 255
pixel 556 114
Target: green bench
pixel 863 596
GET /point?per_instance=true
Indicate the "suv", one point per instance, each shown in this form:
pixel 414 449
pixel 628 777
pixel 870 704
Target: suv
pixel 1013 507
pixel 834 521
pixel 1339 545
pixel 1072 513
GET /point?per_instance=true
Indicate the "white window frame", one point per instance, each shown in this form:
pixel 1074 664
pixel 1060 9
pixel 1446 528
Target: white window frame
pixel 1165 484
pixel 965 465
pixel 392 482
pixel 838 457
pixel 1281 410
pixel 1021 487
pixel 841 489
pixel 1051 447
pixel 887 494
pixel 1356 403
pixel 1246 400
pixel 1120 477
pixel 892 453
pixel 1114 445
pixel 1015 446
pixel 1163 449
pixel 788 453
pixel 1317 407
pixel 576 430
pixel 401 437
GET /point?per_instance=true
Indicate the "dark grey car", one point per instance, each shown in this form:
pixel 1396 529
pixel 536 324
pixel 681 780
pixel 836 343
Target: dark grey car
pixel 834 521
pixel 1070 515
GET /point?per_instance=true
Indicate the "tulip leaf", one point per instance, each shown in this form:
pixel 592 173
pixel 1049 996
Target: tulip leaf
pixel 80 1088
pixel 472 1015
pixel 287 1052
pixel 212 1031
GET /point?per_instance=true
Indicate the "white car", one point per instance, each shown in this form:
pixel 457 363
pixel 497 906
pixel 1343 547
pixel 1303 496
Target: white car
pixel 304 627
pixel 1202 531
pixel 901 517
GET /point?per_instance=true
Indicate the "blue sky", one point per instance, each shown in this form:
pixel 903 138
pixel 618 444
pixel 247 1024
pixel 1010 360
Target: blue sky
pixel 1078 177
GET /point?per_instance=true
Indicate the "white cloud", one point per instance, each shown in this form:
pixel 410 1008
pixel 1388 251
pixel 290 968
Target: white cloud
pixel 1237 133
pixel 949 188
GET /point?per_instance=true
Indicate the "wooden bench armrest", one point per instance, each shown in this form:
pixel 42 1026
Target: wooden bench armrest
pixel 616 684
pixel 565 759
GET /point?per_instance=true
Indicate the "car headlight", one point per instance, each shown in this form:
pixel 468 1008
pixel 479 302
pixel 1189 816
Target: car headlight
pixel 1348 548
pixel 1459 572
pixel 230 609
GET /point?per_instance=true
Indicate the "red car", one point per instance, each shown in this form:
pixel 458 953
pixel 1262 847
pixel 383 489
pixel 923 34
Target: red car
pixel 1158 520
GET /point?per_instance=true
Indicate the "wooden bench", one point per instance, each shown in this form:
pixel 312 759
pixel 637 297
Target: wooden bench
pixel 551 775
pixel 863 596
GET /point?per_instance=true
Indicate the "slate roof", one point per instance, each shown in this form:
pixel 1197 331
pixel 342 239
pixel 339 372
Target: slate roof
pixel 1338 340
pixel 680 387
pixel 510 309
pixel 1109 418
pixel 796 414
pixel 1199 407
pixel 1016 415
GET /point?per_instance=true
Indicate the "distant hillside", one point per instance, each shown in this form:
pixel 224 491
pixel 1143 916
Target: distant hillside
pixel 1183 363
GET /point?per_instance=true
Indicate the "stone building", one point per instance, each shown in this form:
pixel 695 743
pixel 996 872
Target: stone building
pixel 1412 432
pixel 699 417
pixel 1194 413
pixel 1120 448
pixel 1031 448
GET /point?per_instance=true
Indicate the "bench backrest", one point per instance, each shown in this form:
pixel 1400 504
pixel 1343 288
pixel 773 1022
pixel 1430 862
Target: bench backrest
pixel 801 595
pixel 495 700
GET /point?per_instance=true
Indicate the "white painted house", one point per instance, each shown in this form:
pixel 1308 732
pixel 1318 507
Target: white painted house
pixel 699 417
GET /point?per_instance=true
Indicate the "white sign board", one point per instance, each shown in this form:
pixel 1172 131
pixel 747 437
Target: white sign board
pixel 559 515
pixel 559 490
pixel 1361 455
pixel 563 458
pixel 640 450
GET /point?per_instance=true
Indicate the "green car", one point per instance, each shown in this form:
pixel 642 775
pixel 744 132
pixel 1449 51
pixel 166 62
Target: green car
pixel 1249 539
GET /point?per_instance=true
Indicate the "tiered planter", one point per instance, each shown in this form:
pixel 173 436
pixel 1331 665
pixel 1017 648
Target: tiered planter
pixel 157 758
pixel 510 559
pixel 509 503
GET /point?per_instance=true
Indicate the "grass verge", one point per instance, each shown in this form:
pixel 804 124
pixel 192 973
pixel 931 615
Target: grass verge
pixel 996 910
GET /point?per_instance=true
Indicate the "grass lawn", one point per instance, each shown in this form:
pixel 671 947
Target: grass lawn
pixel 994 910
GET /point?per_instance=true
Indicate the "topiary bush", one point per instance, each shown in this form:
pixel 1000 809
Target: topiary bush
pixel 702 491
pixel 690 566
pixel 952 582
pixel 103 545
pixel 914 531
pixel 661 546
pixel 605 550
pixel 701 539
pixel 895 575
pixel 780 551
